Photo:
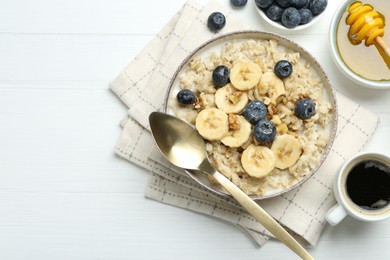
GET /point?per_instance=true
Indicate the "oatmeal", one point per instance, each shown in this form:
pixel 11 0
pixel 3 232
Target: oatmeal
pixel 262 111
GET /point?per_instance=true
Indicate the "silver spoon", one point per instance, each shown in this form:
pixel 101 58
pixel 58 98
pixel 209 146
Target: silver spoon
pixel 182 145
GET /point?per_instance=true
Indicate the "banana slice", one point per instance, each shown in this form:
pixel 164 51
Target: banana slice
pixel 257 161
pixel 236 138
pixel 287 150
pixel 212 124
pixel 270 85
pixel 245 75
pixel 230 100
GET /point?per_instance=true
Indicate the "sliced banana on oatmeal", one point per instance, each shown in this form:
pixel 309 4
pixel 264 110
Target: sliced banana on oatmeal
pixel 287 150
pixel 271 86
pixel 230 100
pixel 240 134
pixel 245 75
pixel 212 124
pixel 257 160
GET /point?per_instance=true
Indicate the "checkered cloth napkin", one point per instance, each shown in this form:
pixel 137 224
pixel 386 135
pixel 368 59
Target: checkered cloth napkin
pixel 142 86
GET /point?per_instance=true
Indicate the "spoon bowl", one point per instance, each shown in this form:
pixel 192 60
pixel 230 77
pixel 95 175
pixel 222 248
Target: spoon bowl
pixel 183 146
pixel 178 141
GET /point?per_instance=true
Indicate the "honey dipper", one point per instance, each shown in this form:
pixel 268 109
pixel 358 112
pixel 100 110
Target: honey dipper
pixel 366 24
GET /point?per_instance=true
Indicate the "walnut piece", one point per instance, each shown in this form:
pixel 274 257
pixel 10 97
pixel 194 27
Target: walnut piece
pixel 234 124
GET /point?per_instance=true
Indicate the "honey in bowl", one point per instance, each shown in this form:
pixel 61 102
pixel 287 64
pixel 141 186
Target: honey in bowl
pixel 368 61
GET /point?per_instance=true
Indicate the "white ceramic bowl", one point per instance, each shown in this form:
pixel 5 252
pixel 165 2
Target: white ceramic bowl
pixel 361 60
pixel 281 27
pixel 215 45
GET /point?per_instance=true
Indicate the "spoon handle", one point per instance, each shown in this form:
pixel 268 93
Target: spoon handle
pixel 261 215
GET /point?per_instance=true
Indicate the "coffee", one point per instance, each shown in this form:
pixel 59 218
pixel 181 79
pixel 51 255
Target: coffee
pixel 368 184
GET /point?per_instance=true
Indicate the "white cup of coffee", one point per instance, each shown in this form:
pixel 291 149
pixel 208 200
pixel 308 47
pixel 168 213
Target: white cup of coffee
pixel 362 189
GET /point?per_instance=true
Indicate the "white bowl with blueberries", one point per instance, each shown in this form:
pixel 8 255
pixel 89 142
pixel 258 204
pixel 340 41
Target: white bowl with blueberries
pixel 291 15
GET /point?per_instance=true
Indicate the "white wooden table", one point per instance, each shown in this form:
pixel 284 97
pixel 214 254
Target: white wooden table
pixel 63 192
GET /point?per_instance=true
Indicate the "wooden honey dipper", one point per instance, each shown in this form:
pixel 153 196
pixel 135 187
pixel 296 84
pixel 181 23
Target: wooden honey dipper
pixel 366 24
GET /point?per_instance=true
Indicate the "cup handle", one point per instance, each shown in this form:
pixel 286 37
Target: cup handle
pixel 336 214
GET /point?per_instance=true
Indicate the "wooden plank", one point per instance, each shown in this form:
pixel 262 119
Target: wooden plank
pixel 86 17
pixel 83 58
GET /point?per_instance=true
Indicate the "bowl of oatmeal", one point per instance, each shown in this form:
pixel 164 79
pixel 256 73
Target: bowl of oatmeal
pixel 264 106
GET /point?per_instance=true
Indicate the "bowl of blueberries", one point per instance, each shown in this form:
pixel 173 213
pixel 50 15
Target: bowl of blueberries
pixel 291 14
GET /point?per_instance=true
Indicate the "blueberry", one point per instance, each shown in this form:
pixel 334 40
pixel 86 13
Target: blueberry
pixel 284 3
pixel 265 131
pixel 305 108
pixel 300 3
pixel 318 6
pixel 254 111
pixel 306 15
pixel 263 3
pixel 291 17
pixel 274 12
pixel 186 97
pixel 216 21
pixel 220 76
pixel 283 69
pixel 238 3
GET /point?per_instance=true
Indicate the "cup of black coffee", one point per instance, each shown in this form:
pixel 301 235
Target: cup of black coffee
pixel 362 189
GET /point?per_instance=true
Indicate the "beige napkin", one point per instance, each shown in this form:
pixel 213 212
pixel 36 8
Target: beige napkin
pixel 142 87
